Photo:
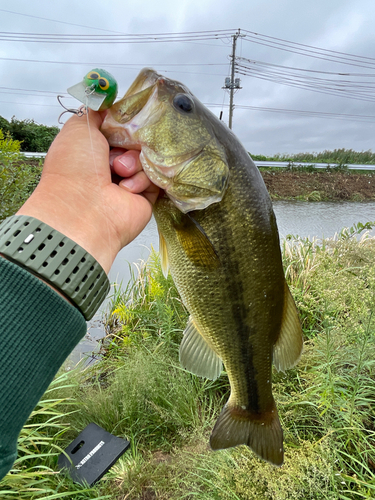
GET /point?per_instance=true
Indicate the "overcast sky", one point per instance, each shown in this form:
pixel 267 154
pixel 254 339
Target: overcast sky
pixel 343 26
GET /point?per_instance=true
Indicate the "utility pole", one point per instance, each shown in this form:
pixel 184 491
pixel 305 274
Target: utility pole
pixel 232 83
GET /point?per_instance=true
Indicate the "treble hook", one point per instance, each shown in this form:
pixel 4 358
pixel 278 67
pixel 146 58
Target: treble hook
pixel 79 112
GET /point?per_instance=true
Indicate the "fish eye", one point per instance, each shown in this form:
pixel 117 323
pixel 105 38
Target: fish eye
pixel 103 83
pixel 183 103
pixel 93 75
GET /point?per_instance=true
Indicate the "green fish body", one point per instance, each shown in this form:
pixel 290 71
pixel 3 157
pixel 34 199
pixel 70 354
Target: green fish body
pixel 219 238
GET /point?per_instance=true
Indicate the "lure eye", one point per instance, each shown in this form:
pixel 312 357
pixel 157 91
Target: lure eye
pixel 183 103
pixel 103 83
pixel 93 75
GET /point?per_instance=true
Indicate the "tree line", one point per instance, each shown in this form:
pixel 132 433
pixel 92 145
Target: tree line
pixel 32 136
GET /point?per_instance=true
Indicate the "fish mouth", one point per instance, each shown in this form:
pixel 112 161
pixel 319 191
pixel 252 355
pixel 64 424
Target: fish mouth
pixel 140 93
pixel 133 111
pixel 146 78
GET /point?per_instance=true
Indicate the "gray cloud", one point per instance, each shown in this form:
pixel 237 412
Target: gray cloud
pixel 338 25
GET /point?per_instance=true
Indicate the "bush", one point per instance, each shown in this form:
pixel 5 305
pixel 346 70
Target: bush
pixel 17 179
pixel 32 136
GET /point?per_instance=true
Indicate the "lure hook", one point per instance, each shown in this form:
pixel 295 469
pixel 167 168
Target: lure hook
pixel 79 112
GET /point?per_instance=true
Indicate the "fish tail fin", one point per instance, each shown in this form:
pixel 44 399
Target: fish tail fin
pixel 262 433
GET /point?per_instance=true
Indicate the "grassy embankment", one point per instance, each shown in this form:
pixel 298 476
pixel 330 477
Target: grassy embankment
pixel 306 183
pixel 326 404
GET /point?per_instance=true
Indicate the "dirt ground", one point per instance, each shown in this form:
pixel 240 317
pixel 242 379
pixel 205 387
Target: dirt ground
pixel 320 186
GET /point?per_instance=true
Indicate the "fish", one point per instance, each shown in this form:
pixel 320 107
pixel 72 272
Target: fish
pixel 219 239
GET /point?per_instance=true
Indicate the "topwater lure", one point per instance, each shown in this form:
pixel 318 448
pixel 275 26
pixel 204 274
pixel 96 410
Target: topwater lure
pixel 97 91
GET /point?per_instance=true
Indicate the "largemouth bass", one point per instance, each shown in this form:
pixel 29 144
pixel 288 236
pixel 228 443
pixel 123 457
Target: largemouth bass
pixel 219 238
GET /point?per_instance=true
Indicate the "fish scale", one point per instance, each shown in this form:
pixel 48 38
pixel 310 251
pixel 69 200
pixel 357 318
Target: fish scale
pixel 219 238
pixel 238 316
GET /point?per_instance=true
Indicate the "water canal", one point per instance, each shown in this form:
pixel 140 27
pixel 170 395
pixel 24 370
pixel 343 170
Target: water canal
pixel 319 219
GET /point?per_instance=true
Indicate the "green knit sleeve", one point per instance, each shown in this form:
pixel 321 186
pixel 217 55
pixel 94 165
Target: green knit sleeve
pixel 38 330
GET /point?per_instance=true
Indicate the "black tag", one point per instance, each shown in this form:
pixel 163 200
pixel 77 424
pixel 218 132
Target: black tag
pixel 93 453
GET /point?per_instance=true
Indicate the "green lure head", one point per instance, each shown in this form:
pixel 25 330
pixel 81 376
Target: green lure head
pixel 97 90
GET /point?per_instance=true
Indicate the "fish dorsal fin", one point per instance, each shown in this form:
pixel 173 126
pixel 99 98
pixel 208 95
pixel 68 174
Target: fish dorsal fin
pixel 164 261
pixel 197 356
pixel 288 347
pixel 196 243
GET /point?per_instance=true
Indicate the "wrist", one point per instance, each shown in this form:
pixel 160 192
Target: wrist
pixel 56 259
pixel 70 214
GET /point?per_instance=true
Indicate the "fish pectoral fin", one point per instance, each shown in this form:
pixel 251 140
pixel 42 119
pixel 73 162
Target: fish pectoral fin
pixel 288 347
pixel 196 243
pixel 164 261
pixel 262 433
pixel 197 356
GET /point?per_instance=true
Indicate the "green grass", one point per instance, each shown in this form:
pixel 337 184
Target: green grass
pixel 341 157
pixel 139 391
pixel 34 474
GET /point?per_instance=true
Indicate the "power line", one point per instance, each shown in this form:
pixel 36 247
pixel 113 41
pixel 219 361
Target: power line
pixel 340 73
pixel 310 51
pixel 121 38
pixel 273 42
pixel 57 21
pixel 34 90
pixel 105 64
pixel 343 83
pixel 317 114
pixel 32 104
pixel 351 90
pixel 349 85
pixel 308 46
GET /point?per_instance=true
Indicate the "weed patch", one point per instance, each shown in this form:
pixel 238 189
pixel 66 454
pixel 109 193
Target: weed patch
pixel 139 391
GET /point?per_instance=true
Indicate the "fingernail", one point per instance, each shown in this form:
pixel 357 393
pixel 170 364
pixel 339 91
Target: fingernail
pixel 127 183
pixel 128 162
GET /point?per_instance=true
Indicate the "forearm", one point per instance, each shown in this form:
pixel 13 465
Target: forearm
pixel 38 330
pixel 77 198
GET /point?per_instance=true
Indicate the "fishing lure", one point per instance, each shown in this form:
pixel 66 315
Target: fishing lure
pixel 97 91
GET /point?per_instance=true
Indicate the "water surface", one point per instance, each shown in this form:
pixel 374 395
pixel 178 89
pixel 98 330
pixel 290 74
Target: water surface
pixel 319 219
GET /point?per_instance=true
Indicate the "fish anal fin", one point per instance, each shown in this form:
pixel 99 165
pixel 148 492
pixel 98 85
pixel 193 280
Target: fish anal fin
pixel 196 243
pixel 197 356
pixel 261 432
pixel 288 347
pixel 164 261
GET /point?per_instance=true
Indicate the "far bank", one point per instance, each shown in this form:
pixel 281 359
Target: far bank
pixel 319 185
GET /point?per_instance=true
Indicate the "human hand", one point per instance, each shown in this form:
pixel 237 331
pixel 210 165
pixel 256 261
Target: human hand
pixel 77 197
